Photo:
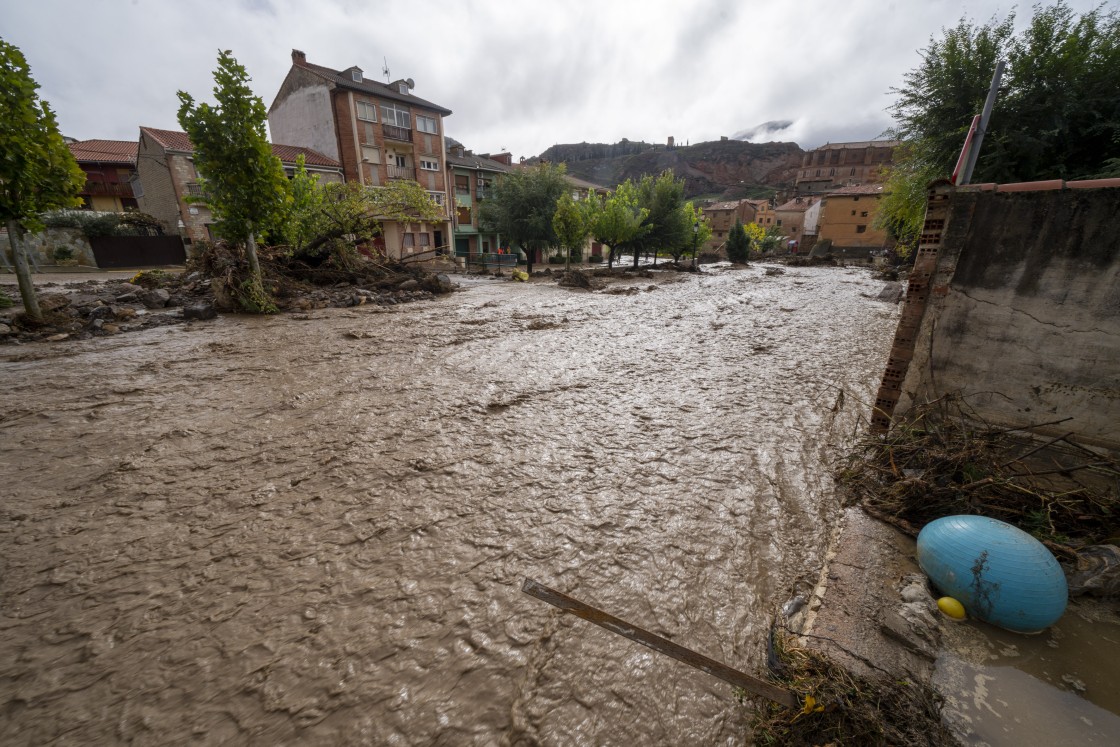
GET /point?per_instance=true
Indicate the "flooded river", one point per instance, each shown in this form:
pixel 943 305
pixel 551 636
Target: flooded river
pixel 314 529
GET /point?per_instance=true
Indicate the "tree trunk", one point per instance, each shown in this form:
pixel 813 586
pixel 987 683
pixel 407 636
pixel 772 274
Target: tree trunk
pixel 528 260
pixel 637 257
pixel 568 260
pixel 610 257
pixel 251 252
pixel 23 272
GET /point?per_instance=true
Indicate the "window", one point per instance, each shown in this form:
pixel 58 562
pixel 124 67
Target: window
pixel 370 154
pixel 409 240
pixel 853 212
pixel 779 223
pixel 425 239
pixel 463 215
pixel 402 87
pixel 861 229
pixel 832 172
pixel 853 171
pixel 462 184
pixel 818 172
pixel 426 124
pixel 863 214
pixel 402 162
pixel 367 112
pixel 397 116
pixel 356 76
pixel 437 197
pixel 429 165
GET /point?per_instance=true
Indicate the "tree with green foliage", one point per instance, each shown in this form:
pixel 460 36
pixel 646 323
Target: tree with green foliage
pixel 522 206
pixel 701 231
pixel 300 222
pixel 37 170
pixel 668 222
pixel 738 246
pixel 570 223
pixel 245 184
pixel 618 220
pixel 1057 114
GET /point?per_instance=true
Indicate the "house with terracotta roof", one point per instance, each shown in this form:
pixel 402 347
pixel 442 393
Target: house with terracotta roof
pixel 378 132
pixel 722 216
pixel 166 177
pixel 110 168
pixel 789 217
pixel 847 220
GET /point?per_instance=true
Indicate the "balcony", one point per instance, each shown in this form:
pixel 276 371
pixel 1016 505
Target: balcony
pixel 393 132
pixel 399 172
pixel 114 189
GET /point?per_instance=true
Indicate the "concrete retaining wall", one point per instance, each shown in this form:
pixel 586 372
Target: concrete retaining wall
pixel 1023 315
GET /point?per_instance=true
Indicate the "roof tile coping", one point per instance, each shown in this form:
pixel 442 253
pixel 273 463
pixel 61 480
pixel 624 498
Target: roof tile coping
pixel 372 87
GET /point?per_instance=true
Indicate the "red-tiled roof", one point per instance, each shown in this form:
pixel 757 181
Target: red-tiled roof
pixel 799 205
pixel 858 189
pixel 723 206
pixel 178 141
pixel 289 153
pixel 169 139
pixel 104 151
pixel 860 144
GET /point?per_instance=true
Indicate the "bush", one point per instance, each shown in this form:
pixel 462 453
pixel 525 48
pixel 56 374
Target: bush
pixel 595 258
pixel 98 224
pixel 62 253
pixel 557 259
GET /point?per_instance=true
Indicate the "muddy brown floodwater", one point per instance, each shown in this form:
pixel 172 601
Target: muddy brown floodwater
pixel 314 530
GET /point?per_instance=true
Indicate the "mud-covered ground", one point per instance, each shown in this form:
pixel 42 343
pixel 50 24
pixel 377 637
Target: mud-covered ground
pixel 313 529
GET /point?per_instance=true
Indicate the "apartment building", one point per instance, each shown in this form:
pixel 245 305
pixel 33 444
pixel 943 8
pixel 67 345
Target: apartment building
pixel 472 178
pixel 378 132
pixel 847 220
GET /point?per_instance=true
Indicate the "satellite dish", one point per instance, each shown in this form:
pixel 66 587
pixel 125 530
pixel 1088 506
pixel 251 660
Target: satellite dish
pixel 410 83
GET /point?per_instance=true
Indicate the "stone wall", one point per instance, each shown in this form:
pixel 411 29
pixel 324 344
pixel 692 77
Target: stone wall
pixel 1023 313
pixel 42 246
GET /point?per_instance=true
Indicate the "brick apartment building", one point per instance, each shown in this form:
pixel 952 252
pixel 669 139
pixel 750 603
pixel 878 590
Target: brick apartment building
pixel 838 165
pixel 378 132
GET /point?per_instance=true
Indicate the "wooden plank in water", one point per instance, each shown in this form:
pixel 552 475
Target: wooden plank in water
pixel 661 645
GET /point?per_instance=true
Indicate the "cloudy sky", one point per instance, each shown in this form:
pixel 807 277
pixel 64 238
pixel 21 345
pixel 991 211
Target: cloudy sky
pixel 519 75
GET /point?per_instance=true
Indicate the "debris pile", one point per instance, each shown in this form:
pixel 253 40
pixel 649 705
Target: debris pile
pixel 942 459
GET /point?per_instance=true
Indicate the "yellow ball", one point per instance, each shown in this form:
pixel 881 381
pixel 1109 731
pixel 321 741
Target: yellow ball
pixel 951 607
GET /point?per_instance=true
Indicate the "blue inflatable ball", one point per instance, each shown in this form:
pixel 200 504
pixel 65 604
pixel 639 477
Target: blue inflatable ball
pixel 1001 574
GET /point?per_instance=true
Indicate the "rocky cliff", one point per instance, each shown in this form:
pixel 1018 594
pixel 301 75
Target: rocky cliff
pixel 727 169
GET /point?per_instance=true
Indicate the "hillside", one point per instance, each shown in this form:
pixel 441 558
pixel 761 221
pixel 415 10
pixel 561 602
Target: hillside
pixel 729 169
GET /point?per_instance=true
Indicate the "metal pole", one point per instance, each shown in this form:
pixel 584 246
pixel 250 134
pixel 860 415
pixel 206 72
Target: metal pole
pixel 779 695
pixel 989 103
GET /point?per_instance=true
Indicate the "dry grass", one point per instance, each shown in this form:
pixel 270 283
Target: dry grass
pixel 845 709
pixel 943 460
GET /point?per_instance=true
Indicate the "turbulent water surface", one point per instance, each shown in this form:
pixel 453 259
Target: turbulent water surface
pixel 314 530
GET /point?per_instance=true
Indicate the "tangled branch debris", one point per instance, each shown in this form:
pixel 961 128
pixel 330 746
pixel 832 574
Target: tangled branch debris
pixel 842 708
pixel 943 459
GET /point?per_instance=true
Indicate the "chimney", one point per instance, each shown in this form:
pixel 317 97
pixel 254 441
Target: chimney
pixel 505 158
pixel 670 143
pixel 298 57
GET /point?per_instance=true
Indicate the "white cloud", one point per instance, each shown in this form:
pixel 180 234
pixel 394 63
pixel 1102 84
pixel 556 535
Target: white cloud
pixel 523 75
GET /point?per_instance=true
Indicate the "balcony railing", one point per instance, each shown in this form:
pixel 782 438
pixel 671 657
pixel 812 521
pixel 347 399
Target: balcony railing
pixel 397 133
pixel 116 189
pixel 399 172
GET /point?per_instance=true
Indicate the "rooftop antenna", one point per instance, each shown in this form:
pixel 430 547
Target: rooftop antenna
pixel 385 69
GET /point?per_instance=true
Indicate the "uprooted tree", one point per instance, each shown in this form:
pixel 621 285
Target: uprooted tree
pixel 244 183
pixel 329 221
pixel 37 170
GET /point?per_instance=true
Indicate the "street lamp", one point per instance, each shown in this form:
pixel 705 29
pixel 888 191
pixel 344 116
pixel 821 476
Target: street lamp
pixel 695 241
